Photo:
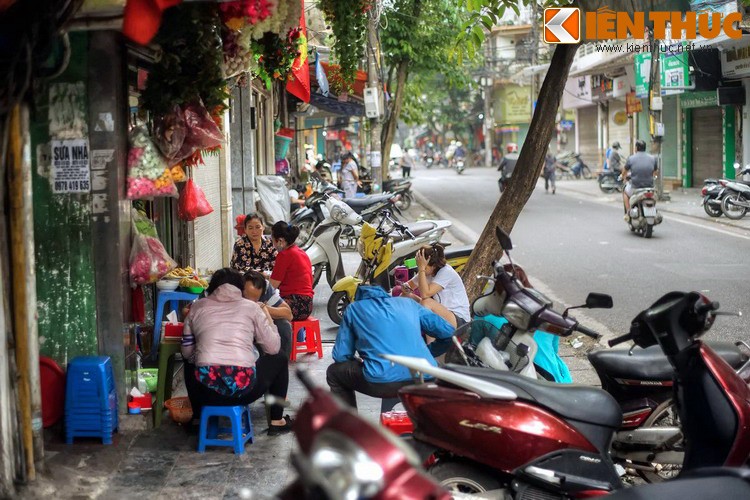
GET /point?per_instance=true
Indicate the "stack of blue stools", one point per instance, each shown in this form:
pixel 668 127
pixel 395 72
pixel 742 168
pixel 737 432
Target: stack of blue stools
pixel 90 399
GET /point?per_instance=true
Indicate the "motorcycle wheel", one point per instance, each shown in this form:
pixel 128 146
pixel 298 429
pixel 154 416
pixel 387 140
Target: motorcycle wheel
pixel 734 212
pixel 306 228
pixel 648 231
pixel 461 477
pixel 317 273
pixel 607 184
pixel 586 171
pixel 712 210
pixel 337 304
pixel 664 416
pixel 405 202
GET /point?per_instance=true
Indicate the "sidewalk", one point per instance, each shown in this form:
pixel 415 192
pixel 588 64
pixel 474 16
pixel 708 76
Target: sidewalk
pixel 684 201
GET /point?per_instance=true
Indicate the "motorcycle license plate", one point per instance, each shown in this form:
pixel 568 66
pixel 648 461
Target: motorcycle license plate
pixel 649 211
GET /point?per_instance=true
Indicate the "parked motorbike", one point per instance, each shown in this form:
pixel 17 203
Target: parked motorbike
pixel 736 201
pixel 342 455
pixel 611 182
pixel 576 165
pixel 643 215
pixel 713 482
pixel 712 192
pixel 471 420
pixel 382 248
pixel 325 250
pixel 314 212
pixel 402 188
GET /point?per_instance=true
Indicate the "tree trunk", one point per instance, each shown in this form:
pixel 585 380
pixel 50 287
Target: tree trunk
pixel 526 173
pixel 389 127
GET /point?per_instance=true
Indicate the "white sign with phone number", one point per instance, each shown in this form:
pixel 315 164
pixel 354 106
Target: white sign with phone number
pixel 71 172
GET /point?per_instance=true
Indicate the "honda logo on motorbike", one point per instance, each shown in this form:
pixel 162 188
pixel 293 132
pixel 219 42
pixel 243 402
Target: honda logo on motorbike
pixel 562 25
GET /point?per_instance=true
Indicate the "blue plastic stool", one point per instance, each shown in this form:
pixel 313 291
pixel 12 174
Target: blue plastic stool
pixel 242 427
pixel 161 299
pixel 90 399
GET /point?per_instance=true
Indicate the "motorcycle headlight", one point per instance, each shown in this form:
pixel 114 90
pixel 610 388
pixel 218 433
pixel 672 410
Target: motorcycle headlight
pixel 338 213
pixel 346 471
pixel 516 316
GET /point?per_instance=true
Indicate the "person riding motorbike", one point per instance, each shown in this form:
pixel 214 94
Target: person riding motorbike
pixel 460 152
pixel 614 160
pixel 507 164
pixel 640 168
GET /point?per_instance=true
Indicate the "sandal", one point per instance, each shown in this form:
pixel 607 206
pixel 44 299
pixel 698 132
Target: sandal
pixel 276 430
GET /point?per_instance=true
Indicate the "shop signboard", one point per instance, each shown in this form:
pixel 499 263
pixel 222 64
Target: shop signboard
pixel 601 88
pixel 633 103
pixel 642 74
pixel 674 69
pixel 698 99
pixel 735 62
pixel 70 166
pixel 516 104
pixel 620 86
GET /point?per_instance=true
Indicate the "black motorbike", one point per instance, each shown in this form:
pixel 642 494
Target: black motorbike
pixel 611 181
pixel 401 187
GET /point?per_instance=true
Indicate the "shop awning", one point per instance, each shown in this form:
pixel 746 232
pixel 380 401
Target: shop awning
pixel 336 107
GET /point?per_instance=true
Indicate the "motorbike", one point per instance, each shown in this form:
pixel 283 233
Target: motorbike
pixel 576 165
pixel 402 188
pixel 382 248
pixel 736 201
pixel 314 212
pixel 428 160
pixel 325 250
pixel 471 420
pixel 458 164
pixel 342 455
pixel 643 215
pixel 712 193
pixel 611 182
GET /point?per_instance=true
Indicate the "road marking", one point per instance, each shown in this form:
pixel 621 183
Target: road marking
pixel 679 218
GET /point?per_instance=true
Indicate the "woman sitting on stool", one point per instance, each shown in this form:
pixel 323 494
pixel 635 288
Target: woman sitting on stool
pixel 292 273
pixel 222 366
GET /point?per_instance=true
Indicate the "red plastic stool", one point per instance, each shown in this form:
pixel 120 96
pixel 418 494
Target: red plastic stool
pixel 312 342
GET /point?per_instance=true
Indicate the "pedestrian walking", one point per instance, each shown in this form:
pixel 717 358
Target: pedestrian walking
pixel 550 163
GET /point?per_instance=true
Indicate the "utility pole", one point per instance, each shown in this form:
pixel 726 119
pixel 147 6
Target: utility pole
pixel 376 124
pixel 654 109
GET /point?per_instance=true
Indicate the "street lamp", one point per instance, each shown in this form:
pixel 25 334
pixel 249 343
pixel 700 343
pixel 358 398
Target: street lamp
pixel 486 83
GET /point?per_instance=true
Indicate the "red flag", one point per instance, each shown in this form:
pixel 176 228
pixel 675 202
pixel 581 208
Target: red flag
pixel 142 18
pixel 298 83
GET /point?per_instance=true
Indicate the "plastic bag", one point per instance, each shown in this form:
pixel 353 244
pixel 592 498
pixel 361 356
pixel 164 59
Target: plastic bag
pixel 148 173
pixel 169 134
pixel 202 131
pixel 149 260
pixel 193 202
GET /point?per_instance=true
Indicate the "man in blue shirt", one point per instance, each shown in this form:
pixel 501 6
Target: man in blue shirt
pixel 374 324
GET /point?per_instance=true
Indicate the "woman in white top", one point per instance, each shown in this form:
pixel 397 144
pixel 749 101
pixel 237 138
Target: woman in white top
pixel 440 286
pixel 350 175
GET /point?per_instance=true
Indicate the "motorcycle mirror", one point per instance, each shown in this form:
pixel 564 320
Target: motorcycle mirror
pixel 503 238
pixel 599 301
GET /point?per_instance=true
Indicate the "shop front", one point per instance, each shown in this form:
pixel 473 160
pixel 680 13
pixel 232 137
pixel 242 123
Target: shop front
pixel 512 111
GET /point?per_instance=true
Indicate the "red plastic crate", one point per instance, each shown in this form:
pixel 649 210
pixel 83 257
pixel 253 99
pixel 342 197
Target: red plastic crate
pixel 397 422
pixel 144 401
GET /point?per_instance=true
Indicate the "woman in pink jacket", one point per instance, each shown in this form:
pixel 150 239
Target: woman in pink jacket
pixel 223 367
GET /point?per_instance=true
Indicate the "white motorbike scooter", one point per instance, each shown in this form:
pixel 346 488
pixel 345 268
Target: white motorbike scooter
pixel 324 251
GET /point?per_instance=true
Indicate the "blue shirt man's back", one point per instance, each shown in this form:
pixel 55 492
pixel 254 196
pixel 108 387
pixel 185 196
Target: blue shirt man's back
pixel 376 323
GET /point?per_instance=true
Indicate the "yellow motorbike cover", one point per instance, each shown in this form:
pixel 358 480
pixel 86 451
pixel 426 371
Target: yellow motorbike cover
pixel 348 284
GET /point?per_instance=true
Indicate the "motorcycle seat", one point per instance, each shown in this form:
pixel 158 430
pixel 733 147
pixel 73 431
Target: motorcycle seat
pixel 573 402
pixel 416 228
pixel 651 363
pixel 366 201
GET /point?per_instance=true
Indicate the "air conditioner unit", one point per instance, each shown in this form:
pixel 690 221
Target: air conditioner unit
pixel 373 102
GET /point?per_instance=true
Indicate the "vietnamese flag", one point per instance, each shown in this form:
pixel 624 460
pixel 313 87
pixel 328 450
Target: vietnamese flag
pixel 298 83
pixel 142 18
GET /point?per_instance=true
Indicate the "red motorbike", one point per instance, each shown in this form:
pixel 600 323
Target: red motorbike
pixel 493 430
pixel 343 456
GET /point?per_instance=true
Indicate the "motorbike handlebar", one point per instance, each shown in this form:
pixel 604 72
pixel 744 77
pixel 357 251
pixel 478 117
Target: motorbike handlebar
pixel 587 331
pixel 620 339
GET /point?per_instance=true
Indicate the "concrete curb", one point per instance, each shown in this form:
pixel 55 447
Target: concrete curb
pixel 458 229
pixel 664 207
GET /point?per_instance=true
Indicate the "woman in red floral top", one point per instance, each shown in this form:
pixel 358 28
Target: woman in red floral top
pixel 252 251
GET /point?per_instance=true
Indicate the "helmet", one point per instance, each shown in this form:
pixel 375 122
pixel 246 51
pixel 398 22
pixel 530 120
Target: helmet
pixel 512 147
pixel 616 145
pixel 458 144
pixel 640 145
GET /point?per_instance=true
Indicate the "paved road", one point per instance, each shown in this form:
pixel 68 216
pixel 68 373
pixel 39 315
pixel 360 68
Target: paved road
pixel 574 244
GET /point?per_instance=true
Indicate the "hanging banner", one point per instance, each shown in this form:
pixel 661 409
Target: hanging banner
pixel 71 171
pixel 632 103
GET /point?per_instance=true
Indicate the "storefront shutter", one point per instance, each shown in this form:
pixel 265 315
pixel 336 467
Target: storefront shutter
pixel 587 136
pixel 207 229
pixel 706 144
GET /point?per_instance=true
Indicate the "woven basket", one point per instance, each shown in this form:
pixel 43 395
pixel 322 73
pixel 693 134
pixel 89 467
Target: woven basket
pixel 179 409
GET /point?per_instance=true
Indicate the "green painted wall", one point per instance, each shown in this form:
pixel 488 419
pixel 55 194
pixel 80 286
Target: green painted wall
pixel 728 119
pixel 62 233
pixel 672 129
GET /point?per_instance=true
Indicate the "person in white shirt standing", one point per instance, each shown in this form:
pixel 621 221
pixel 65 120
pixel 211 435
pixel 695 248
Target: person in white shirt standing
pixel 440 287
pixel 350 175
